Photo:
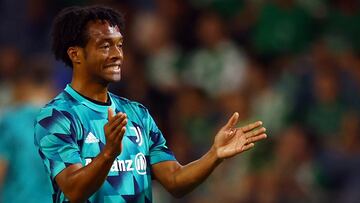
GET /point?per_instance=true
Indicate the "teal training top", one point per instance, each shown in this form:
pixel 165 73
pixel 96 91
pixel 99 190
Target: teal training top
pixel 70 129
pixel 25 178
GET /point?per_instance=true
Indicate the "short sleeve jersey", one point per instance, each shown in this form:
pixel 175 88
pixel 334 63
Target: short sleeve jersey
pixel 70 129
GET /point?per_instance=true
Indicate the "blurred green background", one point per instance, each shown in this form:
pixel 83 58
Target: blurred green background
pixel 294 64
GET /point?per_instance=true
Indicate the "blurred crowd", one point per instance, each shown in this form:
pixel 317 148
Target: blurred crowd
pixel 294 64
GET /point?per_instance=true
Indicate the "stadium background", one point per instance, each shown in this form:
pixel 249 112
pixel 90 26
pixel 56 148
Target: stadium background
pixel 293 64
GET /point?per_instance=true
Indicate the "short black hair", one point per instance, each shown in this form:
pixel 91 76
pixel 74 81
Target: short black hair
pixel 70 27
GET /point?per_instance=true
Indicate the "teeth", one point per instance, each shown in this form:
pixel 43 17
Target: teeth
pixel 114 67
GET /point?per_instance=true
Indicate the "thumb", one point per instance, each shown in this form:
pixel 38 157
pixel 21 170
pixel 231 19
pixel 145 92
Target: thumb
pixel 110 113
pixel 233 120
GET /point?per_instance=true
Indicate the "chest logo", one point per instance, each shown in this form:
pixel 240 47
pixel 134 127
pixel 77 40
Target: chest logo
pixel 90 138
pixel 137 164
pixel 140 164
pixel 139 138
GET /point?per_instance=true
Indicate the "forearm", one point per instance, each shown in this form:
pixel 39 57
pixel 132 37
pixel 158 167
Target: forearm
pixel 77 182
pixel 191 175
pixel 188 177
pixel 80 184
pixel 228 142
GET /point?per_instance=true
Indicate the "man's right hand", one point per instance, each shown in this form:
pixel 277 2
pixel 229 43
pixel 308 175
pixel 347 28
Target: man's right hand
pixel 114 132
pixel 79 182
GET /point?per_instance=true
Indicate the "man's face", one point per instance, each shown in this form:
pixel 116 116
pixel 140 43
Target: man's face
pixel 103 54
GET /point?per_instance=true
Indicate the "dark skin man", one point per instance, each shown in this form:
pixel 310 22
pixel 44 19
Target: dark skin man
pixel 94 67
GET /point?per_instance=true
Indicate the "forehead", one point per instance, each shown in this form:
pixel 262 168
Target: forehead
pixel 101 29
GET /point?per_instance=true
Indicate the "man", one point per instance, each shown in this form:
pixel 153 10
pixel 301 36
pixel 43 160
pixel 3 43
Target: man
pixel 22 174
pixel 99 147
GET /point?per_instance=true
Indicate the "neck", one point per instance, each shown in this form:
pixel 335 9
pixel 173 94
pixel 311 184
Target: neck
pixel 89 88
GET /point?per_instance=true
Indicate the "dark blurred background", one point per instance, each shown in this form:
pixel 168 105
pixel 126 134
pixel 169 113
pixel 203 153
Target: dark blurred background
pixel 294 64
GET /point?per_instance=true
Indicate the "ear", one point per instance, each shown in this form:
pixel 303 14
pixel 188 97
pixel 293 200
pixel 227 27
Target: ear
pixel 74 54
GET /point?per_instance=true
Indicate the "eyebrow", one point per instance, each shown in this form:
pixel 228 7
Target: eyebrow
pixel 120 39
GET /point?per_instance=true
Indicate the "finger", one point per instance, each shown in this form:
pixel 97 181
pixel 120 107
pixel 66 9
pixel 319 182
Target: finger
pixel 113 120
pixel 110 113
pixel 119 131
pixel 248 146
pixel 120 117
pixel 256 138
pixel 124 122
pixel 116 135
pixel 233 120
pixel 255 132
pixel 114 117
pixel 120 135
pixel 251 126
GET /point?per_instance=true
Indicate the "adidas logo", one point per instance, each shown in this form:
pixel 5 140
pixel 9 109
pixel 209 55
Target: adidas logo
pixel 91 138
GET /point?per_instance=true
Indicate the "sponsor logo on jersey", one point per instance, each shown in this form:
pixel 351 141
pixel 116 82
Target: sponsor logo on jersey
pixel 90 138
pixel 138 164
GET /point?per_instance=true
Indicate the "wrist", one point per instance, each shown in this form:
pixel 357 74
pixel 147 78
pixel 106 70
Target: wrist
pixel 214 155
pixel 108 155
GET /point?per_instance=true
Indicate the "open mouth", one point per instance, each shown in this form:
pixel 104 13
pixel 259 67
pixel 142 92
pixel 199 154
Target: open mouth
pixel 113 67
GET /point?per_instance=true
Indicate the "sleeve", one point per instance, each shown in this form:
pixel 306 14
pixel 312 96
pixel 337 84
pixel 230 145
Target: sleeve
pixel 158 149
pixel 55 137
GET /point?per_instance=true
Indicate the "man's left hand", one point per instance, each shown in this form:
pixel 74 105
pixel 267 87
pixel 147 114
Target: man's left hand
pixel 231 141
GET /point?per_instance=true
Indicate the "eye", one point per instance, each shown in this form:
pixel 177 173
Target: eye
pixel 119 45
pixel 105 46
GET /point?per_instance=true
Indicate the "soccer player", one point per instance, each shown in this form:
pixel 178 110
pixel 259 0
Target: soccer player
pixel 22 174
pixel 99 147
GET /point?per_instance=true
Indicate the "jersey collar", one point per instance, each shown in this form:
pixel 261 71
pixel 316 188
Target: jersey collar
pixel 88 103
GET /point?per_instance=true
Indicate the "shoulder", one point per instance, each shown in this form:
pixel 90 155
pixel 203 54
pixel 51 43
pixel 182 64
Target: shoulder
pixel 60 109
pixel 57 118
pixel 129 104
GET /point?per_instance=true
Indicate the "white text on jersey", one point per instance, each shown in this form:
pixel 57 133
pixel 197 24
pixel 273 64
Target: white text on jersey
pixel 138 164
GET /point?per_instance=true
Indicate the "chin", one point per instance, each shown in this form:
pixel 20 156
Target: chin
pixel 111 78
pixel 114 79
